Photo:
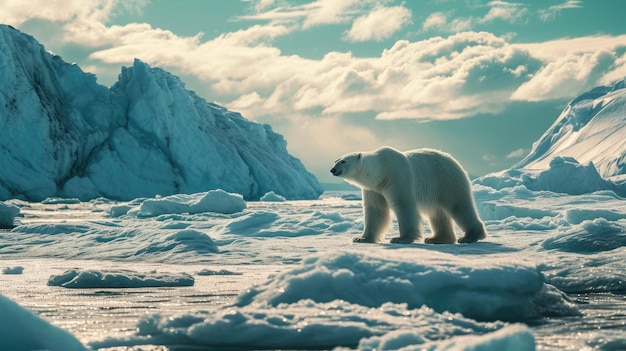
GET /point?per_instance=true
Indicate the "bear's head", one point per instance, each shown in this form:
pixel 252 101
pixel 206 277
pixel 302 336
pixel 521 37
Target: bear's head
pixel 347 166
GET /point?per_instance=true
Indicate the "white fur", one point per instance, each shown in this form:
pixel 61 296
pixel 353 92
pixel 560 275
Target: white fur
pixel 423 181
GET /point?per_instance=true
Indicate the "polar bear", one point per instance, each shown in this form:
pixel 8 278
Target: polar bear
pixel 423 181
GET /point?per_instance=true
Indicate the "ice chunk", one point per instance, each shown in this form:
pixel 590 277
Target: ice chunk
pixel 482 289
pixel 217 201
pixel 13 270
pixel 304 324
pixel 510 338
pixel 22 330
pixel 272 197
pixel 590 237
pixel 7 215
pixel 86 279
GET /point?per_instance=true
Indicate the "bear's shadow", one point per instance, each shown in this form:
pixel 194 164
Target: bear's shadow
pixel 479 248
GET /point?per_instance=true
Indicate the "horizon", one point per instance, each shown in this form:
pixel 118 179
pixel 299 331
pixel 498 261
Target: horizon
pixel 481 81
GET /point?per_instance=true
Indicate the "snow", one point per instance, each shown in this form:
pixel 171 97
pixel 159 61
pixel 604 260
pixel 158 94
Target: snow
pixel 316 325
pixel 22 330
pixel 513 338
pixel 144 136
pixel 86 279
pixel 545 259
pixel 564 175
pixel 482 289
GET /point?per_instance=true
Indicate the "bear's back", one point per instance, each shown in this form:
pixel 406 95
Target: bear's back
pixel 437 167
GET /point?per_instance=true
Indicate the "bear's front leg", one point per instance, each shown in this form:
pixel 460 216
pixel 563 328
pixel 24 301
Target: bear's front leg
pixel 376 217
pixel 408 223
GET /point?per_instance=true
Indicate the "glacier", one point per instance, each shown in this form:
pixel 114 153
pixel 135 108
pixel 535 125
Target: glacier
pixel 64 135
pixel 584 151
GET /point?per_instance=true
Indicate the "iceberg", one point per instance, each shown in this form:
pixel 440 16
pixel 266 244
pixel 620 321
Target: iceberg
pixel 591 128
pixel 145 136
pixel 584 151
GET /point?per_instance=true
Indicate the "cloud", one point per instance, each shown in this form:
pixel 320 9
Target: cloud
pixel 566 77
pixel 438 78
pixel 510 12
pixel 519 153
pixel 379 24
pixel 310 14
pixel 551 12
pixel 435 20
pixel 506 11
pixel 18 12
pixel 570 66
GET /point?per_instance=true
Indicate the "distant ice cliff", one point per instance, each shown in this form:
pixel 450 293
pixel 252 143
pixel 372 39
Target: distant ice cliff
pixel 63 134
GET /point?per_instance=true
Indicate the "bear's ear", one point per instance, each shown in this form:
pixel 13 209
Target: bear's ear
pixel 358 157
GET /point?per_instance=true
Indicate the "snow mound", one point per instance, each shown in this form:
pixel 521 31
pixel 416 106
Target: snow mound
pixel 564 175
pixel 88 279
pixel 217 201
pixel 510 338
pixel 184 241
pixel 481 289
pixel 316 325
pixel 272 197
pixel 270 224
pixel 7 215
pixel 22 330
pixel 146 135
pixel 590 237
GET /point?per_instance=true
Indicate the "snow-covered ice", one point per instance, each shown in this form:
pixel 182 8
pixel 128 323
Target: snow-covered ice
pixel 492 289
pixel 552 261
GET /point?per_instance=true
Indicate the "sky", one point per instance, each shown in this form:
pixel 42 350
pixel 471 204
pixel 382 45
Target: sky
pixel 481 80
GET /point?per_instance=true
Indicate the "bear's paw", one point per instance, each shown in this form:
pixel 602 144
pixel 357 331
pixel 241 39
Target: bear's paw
pixel 362 240
pixel 401 240
pixel 434 240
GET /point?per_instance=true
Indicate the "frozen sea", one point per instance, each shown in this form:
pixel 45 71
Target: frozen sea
pixel 209 271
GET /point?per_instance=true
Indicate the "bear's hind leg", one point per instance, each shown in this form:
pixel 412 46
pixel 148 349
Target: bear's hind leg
pixel 467 218
pixel 441 225
pixel 376 217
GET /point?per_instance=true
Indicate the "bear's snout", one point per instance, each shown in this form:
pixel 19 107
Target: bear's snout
pixel 335 171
